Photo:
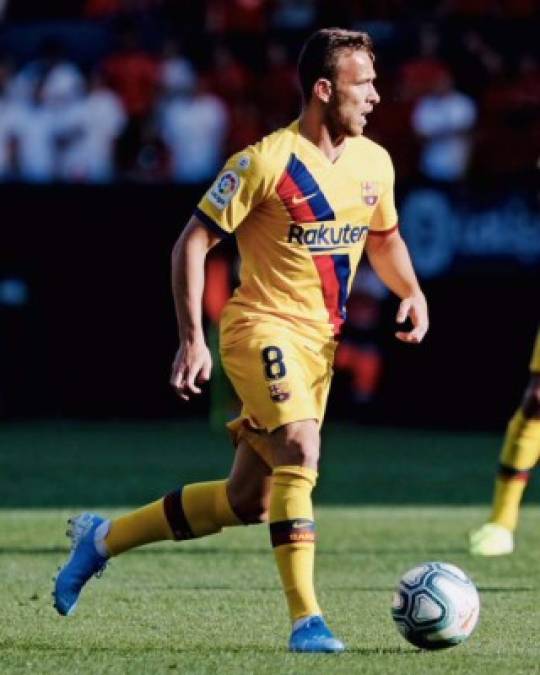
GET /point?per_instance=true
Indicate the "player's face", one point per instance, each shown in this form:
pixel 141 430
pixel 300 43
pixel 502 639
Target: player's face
pixel 353 94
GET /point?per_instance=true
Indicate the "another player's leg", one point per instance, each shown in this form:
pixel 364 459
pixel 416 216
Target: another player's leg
pixel 295 449
pixel 193 511
pixel 519 454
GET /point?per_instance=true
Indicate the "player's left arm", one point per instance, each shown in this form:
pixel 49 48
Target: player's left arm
pixel 389 257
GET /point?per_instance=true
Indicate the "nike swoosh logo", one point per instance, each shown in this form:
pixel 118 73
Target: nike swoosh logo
pixel 300 200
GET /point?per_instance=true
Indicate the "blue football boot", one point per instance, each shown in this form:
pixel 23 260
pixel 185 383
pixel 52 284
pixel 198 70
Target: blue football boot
pixel 84 562
pixel 314 636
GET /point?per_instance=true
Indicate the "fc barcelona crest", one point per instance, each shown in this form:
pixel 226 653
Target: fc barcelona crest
pixel 279 392
pixel 370 192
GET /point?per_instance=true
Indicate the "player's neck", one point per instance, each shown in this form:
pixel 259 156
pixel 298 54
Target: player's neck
pixel 312 127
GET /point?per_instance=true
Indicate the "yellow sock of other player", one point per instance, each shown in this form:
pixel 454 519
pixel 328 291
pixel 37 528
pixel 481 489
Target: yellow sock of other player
pixel 192 511
pixel 519 454
pixel 292 532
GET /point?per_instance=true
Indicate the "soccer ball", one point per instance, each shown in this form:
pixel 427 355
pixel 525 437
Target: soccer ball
pixel 435 605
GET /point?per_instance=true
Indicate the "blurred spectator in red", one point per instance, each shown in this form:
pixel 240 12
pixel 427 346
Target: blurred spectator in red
pixel 133 74
pixel 279 95
pixel 443 120
pixel 526 88
pixel 96 9
pixel 519 9
pixel 471 8
pixel 511 121
pixel 420 74
pixel 193 123
pixel 236 16
pixel 228 77
pixel 246 126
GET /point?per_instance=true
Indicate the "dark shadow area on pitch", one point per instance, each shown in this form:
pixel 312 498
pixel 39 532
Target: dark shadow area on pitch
pixel 232 552
pixel 89 465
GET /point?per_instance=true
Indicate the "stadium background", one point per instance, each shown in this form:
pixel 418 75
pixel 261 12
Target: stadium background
pixel 87 327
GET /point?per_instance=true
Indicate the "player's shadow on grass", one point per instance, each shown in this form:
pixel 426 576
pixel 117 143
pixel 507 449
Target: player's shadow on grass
pixel 236 551
pixel 321 552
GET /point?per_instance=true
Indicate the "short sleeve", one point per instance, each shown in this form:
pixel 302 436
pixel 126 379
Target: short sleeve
pixel 237 190
pixel 385 216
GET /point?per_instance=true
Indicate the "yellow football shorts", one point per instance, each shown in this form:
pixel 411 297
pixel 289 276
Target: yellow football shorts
pixel 280 376
pixel 534 365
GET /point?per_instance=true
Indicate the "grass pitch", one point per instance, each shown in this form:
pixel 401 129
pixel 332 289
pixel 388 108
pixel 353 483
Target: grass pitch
pixel 387 500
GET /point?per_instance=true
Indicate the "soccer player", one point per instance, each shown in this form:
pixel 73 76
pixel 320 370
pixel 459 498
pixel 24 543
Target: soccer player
pixel 303 203
pixel 519 454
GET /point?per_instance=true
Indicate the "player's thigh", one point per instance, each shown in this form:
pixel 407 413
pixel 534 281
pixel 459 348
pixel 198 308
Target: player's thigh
pixel 297 443
pixel 279 377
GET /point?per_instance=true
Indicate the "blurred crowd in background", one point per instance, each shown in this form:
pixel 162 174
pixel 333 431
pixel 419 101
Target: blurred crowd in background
pixel 95 91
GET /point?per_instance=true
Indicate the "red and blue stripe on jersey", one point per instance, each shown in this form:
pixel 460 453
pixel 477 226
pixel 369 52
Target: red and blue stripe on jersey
pixel 301 194
pixel 334 272
pixel 304 200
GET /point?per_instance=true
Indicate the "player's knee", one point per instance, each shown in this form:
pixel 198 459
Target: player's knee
pixel 531 401
pixel 250 510
pixel 257 512
pixel 297 444
pixel 301 453
pixel 248 503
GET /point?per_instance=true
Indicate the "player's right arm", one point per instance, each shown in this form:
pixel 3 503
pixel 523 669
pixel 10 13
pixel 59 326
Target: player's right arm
pixel 238 189
pixel 192 364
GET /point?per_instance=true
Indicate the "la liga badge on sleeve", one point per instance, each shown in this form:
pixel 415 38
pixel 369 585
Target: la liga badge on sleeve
pixel 224 189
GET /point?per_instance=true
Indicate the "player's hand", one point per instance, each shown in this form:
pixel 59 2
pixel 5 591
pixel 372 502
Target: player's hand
pixel 191 367
pixel 415 309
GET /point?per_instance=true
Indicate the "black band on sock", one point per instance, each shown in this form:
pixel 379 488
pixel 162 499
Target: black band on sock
pixel 172 503
pixel 510 473
pixel 297 531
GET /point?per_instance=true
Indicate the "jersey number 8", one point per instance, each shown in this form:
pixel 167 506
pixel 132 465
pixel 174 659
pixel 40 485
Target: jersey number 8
pixel 274 368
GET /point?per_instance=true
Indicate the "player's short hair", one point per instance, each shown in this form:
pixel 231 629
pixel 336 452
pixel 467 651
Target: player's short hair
pixel 320 53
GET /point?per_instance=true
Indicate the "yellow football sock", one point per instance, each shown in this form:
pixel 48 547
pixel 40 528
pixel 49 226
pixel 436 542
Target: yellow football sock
pixel 519 454
pixel 292 532
pixel 207 508
pixel 193 511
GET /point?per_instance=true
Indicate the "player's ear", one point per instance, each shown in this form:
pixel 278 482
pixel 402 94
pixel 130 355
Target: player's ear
pixel 322 89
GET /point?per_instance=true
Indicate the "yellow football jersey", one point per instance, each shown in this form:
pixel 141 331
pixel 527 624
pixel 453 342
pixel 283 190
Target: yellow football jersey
pixel 301 223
